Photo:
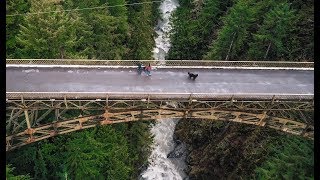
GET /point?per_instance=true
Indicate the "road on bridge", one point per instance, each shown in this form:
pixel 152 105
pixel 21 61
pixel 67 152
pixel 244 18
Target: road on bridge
pixel 233 81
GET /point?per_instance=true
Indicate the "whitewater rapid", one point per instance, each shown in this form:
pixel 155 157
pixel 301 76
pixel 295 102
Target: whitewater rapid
pixel 160 166
pixel 162 30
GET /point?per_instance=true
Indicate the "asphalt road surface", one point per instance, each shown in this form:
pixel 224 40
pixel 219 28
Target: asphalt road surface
pixel 22 79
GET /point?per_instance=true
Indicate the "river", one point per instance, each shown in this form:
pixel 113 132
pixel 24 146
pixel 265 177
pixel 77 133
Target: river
pixel 162 29
pixel 162 164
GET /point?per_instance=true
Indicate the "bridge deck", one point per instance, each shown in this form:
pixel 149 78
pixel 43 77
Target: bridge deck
pixel 81 81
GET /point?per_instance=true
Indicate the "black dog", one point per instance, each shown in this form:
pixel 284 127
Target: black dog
pixel 191 75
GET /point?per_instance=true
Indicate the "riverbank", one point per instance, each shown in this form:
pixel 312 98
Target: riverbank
pixel 226 150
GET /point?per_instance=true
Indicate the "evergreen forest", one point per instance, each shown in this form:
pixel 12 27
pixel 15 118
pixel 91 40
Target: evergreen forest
pixel 232 30
pixel 268 30
pixel 120 32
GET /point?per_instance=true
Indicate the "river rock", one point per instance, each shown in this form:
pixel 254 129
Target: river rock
pixel 178 151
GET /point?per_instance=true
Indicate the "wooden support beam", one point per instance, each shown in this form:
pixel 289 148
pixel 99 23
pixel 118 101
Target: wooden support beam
pixel 27 119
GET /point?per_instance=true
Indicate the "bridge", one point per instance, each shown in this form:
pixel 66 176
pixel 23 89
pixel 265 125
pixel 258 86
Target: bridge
pixel 47 97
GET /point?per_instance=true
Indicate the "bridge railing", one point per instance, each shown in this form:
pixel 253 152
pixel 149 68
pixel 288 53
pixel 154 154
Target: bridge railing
pixel 155 96
pixel 168 63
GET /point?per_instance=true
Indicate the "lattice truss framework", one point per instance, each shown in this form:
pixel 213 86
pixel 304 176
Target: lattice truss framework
pixel 34 120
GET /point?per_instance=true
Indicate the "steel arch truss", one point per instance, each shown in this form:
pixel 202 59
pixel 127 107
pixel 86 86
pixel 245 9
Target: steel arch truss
pixel 34 120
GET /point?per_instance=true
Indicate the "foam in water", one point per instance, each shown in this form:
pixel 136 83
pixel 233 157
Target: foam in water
pixel 160 167
pixel 163 28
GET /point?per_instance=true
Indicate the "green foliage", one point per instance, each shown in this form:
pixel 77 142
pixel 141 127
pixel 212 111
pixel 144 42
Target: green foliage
pixel 243 30
pixel 40 167
pixel 105 38
pixel 11 176
pixel 232 38
pixel 84 156
pixel 53 156
pixel 236 29
pixel 12 24
pixel 115 164
pixel 49 35
pixel 109 28
pixel 290 157
pixel 193 27
pixel 270 42
pixel 102 153
pixel 117 11
pixel 301 41
pixel 106 152
pixel 95 34
pixel 23 160
pixel 226 150
pixel 139 140
pixel 140 40
pixel 115 35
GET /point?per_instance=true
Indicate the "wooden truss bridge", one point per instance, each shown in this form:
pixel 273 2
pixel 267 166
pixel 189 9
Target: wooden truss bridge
pixel 272 94
pixel 31 120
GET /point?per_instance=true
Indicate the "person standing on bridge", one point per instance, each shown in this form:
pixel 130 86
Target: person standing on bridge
pixel 148 69
pixel 140 67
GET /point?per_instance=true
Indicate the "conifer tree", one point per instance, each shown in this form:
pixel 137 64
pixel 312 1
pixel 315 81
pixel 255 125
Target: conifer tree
pixel 109 28
pixel 117 10
pixel 105 41
pixel 11 176
pixel 270 42
pixel 40 167
pixel 49 35
pixel 194 24
pixel 12 24
pixel 141 40
pixel 24 161
pixel 116 163
pixel 290 157
pixel 84 157
pixel 302 35
pixel 139 139
pixel 122 31
pixel 232 38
